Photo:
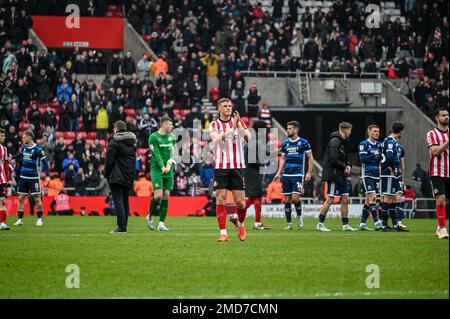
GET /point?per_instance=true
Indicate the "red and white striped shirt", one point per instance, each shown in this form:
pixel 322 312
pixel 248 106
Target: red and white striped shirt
pixel 4 166
pixel 439 165
pixel 229 153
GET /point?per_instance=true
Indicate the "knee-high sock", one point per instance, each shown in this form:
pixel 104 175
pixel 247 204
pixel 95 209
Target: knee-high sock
pixel 384 212
pixel 20 214
pixel 242 213
pixel 373 212
pixel 365 214
pixel 257 204
pixel 39 214
pixel 399 211
pixel 298 208
pixel 393 214
pixel 163 210
pixel 250 201
pixel 288 212
pixel 2 216
pixel 154 207
pixel 441 216
pixel 221 214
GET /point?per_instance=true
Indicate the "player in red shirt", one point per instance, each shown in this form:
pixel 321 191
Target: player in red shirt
pixel 437 140
pixel 5 180
pixel 228 134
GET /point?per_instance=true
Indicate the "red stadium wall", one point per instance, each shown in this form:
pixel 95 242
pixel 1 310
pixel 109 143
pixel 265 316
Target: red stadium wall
pixel 94 33
pixel 178 206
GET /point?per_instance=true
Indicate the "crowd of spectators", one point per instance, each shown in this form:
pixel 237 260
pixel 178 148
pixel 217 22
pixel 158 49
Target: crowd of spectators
pixel 193 40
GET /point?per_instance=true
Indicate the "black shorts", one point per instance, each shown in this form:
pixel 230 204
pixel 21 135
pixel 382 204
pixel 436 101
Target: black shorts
pixel 253 182
pixel 230 179
pixel 3 190
pixel 29 186
pixel 440 186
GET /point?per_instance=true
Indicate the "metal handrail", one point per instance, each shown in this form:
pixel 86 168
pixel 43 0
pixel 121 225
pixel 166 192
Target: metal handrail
pixel 378 75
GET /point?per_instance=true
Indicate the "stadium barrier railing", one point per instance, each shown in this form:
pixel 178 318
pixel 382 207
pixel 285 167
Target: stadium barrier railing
pixel 293 74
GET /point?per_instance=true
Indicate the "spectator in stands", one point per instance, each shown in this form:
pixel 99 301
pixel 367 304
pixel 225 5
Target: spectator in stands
pixel 143 187
pixel 13 137
pixel 147 126
pixel 406 88
pixel 160 65
pixel 102 122
pixel 74 112
pixel 23 93
pixel 49 118
pixel 15 115
pixel 64 90
pixel 60 154
pixel 88 117
pixel 211 61
pixel 206 172
pixel 129 67
pixel 70 160
pixel 64 117
pixel 238 96
pixel 103 188
pixel 194 185
pixel 253 99
pixel 430 106
pixel 47 147
pixel 69 178
pixel 80 183
pixel 419 173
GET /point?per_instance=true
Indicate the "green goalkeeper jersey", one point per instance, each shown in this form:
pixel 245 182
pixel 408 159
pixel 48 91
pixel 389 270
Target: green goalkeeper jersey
pixel 163 149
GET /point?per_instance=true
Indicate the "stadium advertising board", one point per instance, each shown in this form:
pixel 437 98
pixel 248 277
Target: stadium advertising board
pixel 92 33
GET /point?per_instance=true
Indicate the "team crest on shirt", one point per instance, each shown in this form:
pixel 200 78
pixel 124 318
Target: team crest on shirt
pixel 156 184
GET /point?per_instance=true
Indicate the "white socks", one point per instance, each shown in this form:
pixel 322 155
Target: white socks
pixel 223 232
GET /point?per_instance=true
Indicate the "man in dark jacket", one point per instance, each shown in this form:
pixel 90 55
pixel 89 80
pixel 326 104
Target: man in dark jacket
pixel 336 169
pixel 120 171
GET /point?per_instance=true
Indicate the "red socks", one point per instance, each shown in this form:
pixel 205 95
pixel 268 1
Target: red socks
pixel 221 213
pixel 255 201
pixel 257 204
pixel 441 216
pixel 241 214
pixel 2 216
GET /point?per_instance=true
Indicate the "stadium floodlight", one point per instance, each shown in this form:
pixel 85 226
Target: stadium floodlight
pixel 367 88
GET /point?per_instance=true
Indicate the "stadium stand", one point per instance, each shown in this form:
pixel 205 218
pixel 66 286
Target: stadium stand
pixel 195 40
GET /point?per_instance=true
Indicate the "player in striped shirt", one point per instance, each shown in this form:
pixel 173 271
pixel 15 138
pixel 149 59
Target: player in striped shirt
pixel 5 180
pixel 228 134
pixel 437 140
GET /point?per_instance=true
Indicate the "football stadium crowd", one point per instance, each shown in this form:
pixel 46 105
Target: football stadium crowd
pixel 71 115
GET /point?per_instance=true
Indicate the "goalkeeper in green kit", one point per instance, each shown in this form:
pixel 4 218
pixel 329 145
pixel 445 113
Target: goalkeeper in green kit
pixel 163 143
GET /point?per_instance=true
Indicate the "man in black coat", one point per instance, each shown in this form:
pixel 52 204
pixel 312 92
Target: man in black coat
pixel 336 169
pixel 120 171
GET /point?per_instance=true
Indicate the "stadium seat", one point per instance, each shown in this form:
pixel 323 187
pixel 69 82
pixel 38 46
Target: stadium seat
pixel 118 14
pixel 69 135
pixel 24 126
pixel 109 14
pixel 82 134
pixel 59 134
pixel 68 141
pixel 103 143
pixel 185 112
pixel 90 141
pixel 92 135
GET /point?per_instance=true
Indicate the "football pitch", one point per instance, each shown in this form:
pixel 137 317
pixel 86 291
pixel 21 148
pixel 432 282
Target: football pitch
pixel 187 262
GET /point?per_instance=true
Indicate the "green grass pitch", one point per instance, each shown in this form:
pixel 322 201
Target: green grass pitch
pixel 187 262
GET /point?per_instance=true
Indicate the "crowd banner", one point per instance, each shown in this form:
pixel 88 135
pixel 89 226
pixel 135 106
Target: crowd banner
pixel 93 33
pixel 308 211
pixel 178 206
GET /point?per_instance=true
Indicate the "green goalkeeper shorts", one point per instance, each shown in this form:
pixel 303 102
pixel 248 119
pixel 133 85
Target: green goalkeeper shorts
pixel 161 181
